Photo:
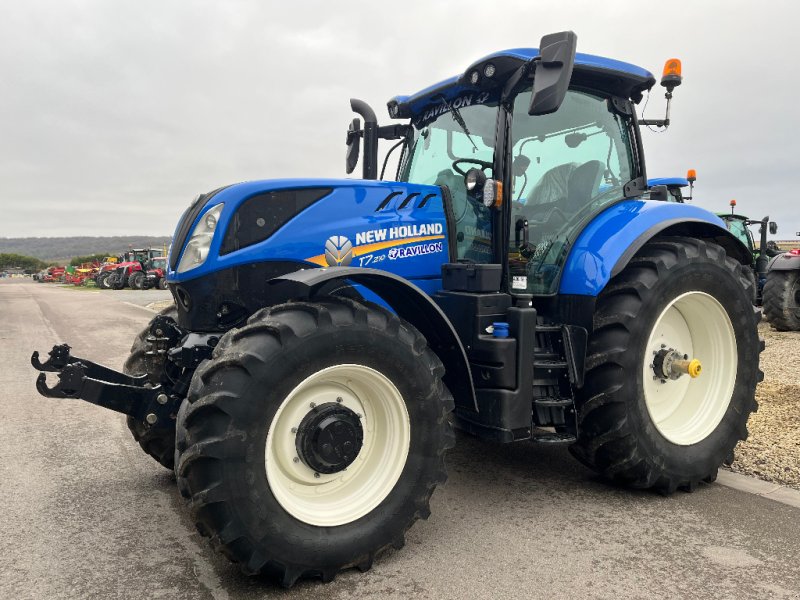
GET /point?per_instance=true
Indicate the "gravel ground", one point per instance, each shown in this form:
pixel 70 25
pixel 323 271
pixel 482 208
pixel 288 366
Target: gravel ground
pixel 772 452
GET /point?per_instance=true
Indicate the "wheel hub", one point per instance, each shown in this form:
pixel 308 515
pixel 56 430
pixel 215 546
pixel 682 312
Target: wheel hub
pixel 671 364
pixel 329 438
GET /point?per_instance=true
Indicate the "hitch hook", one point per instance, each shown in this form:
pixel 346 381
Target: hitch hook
pixel 70 382
pixel 58 359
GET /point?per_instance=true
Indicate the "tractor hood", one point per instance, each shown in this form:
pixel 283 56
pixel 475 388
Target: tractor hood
pixel 288 224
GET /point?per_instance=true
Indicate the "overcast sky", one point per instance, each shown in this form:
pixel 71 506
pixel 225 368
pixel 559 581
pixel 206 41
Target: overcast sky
pixel 114 114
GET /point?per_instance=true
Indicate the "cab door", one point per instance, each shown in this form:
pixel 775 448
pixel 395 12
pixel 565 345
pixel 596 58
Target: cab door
pixel 566 166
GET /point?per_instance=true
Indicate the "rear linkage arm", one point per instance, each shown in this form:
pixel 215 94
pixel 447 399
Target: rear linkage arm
pixel 83 379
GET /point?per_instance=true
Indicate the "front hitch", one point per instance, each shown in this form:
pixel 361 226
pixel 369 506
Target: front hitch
pixel 83 379
pixel 58 358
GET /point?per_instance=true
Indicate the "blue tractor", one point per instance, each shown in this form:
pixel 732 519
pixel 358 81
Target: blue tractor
pixel 670 189
pixel 327 335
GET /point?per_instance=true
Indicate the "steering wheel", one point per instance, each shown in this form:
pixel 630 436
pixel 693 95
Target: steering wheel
pixel 482 163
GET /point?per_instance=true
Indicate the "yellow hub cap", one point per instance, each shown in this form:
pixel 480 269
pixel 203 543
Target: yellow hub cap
pixel 694 368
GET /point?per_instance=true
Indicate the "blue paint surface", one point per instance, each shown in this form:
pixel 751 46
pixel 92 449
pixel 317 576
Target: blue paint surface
pixel 382 239
pixel 606 238
pixel 668 181
pixel 450 88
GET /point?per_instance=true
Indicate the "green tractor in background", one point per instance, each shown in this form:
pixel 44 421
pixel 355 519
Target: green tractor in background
pixel 739 225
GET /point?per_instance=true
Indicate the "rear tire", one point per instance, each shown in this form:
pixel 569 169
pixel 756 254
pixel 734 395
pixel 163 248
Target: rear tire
pixel 752 289
pixel 682 294
pixel 159 443
pixel 782 300
pixel 247 412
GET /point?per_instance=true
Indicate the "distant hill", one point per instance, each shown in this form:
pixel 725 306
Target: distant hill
pixel 62 249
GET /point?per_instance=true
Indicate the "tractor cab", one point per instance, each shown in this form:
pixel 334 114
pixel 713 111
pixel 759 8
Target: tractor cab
pixel 524 177
pixel 738 226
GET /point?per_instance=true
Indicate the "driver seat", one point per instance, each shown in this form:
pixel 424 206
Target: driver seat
pixel 583 184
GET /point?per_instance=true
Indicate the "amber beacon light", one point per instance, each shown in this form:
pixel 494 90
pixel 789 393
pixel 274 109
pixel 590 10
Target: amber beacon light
pixel 671 76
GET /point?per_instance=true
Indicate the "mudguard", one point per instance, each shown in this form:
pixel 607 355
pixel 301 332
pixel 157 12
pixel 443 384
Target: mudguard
pixel 611 239
pixel 409 302
pixel 784 262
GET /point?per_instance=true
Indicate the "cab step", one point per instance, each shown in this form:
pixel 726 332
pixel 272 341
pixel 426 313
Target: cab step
pixel 543 436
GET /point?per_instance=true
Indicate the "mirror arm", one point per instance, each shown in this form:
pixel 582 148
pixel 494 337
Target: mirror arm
pixel 393 132
pixel 521 74
pixel 659 122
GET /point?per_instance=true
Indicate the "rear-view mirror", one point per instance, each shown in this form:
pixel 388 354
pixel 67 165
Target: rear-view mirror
pixel 553 72
pixel 353 145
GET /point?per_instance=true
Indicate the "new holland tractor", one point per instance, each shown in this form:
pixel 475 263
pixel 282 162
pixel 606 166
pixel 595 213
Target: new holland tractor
pixel 327 335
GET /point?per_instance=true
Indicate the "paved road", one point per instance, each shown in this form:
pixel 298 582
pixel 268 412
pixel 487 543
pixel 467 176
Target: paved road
pixel 85 514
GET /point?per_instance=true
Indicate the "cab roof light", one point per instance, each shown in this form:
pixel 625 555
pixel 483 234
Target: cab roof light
pixel 671 76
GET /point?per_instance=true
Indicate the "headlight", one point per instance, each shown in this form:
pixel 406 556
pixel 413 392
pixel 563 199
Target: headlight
pixel 197 247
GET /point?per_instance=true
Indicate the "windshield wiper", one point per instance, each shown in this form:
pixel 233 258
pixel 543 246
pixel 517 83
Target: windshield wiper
pixel 459 119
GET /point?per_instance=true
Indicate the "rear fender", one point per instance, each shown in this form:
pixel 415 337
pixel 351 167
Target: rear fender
pixel 409 302
pixel 613 237
pixel 785 262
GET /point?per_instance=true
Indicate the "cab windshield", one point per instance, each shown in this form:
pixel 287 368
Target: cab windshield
pixel 449 139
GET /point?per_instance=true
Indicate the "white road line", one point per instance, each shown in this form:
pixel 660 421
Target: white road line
pixel 139 306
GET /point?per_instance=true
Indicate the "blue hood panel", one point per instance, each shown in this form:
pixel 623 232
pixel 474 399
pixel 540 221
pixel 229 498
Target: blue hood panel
pixel 397 227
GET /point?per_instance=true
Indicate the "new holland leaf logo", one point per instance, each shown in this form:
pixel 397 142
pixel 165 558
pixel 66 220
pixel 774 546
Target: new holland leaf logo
pixel 338 251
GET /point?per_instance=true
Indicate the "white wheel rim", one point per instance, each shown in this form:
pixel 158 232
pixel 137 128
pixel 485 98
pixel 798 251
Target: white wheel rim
pixel 685 410
pixel 343 497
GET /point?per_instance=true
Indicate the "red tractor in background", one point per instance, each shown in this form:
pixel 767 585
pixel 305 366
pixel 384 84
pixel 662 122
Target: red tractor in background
pixel 130 270
pixel 104 272
pixel 155 276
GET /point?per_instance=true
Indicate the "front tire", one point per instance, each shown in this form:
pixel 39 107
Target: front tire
pixel 782 300
pixel 158 443
pixel 678 298
pixel 253 457
pixel 103 281
pixel 136 280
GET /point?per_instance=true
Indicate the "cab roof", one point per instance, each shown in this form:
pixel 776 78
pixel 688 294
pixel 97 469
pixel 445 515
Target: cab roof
pixel 594 72
pixel 668 181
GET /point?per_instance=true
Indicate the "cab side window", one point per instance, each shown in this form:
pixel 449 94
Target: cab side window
pixel 566 165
